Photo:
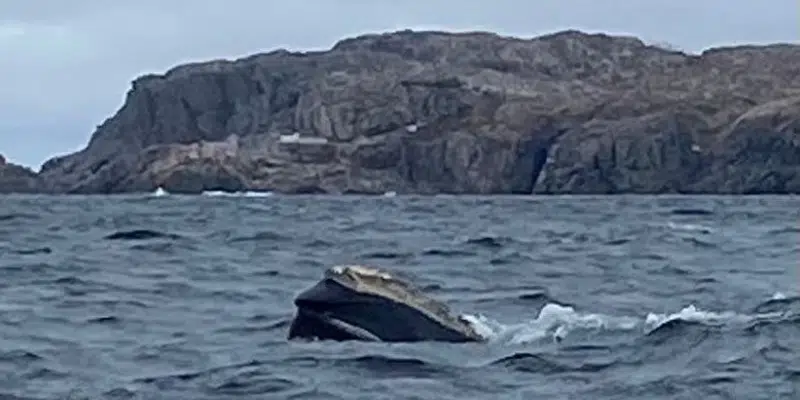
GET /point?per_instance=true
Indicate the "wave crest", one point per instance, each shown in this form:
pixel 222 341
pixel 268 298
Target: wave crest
pixel 556 322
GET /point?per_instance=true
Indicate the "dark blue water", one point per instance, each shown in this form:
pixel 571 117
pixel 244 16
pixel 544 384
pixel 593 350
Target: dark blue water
pixel 582 298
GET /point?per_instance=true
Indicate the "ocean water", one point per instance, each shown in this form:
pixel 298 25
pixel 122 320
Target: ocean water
pixel 624 297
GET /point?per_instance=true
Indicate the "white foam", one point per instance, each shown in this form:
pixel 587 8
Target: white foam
pixel 219 193
pixel 689 227
pixel 779 296
pixel 556 322
pixel 159 192
pixel 691 313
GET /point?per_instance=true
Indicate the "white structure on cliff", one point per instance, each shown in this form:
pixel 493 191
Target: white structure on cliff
pixel 296 138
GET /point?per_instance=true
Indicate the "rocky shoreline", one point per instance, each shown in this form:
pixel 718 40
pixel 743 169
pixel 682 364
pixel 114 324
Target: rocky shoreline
pixel 456 113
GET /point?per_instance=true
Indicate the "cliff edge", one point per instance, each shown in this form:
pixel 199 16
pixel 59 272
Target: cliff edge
pixel 435 112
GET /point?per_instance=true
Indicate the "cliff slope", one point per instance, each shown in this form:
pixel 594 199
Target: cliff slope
pixel 435 112
pixel 17 179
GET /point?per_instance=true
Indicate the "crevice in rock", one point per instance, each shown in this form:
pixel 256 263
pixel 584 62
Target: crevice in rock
pixel 226 109
pixel 191 122
pixel 151 109
pixel 540 151
pixel 540 154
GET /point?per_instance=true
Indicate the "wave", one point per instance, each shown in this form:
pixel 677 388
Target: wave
pixel 691 212
pixel 556 321
pixel 140 234
pixel 684 329
pixel 547 364
pixel 780 302
pixel 488 241
pixel 160 192
pixel 7 217
pixel 690 228
pixel 30 251
pixel 220 193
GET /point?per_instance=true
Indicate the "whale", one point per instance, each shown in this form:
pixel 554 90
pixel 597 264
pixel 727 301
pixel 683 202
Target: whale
pixel 360 303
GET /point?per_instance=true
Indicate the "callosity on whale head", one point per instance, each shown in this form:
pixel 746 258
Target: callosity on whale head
pixel 361 303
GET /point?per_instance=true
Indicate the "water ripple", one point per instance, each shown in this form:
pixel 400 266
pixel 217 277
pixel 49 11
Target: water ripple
pixel 626 297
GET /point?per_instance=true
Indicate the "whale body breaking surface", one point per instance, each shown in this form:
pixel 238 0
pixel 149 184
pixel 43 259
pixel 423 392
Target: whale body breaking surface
pixel 361 303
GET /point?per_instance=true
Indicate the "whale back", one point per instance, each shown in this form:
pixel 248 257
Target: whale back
pixel 372 281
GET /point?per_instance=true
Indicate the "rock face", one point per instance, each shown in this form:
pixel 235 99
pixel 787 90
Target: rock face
pixel 434 112
pixel 17 179
pixel 360 303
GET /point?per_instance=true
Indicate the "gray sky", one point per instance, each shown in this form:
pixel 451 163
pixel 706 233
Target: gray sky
pixel 65 65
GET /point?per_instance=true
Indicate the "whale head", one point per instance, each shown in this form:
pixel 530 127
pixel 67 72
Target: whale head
pixel 362 303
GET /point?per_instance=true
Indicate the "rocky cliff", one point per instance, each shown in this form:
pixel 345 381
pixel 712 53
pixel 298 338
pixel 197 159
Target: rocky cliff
pixel 434 112
pixel 17 179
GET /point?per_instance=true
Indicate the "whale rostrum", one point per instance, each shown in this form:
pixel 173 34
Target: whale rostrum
pixel 354 302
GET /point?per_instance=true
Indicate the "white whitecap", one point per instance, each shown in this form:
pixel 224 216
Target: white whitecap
pixel 557 321
pixel 220 193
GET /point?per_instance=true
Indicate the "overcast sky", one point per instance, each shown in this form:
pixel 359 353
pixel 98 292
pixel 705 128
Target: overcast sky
pixel 65 65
